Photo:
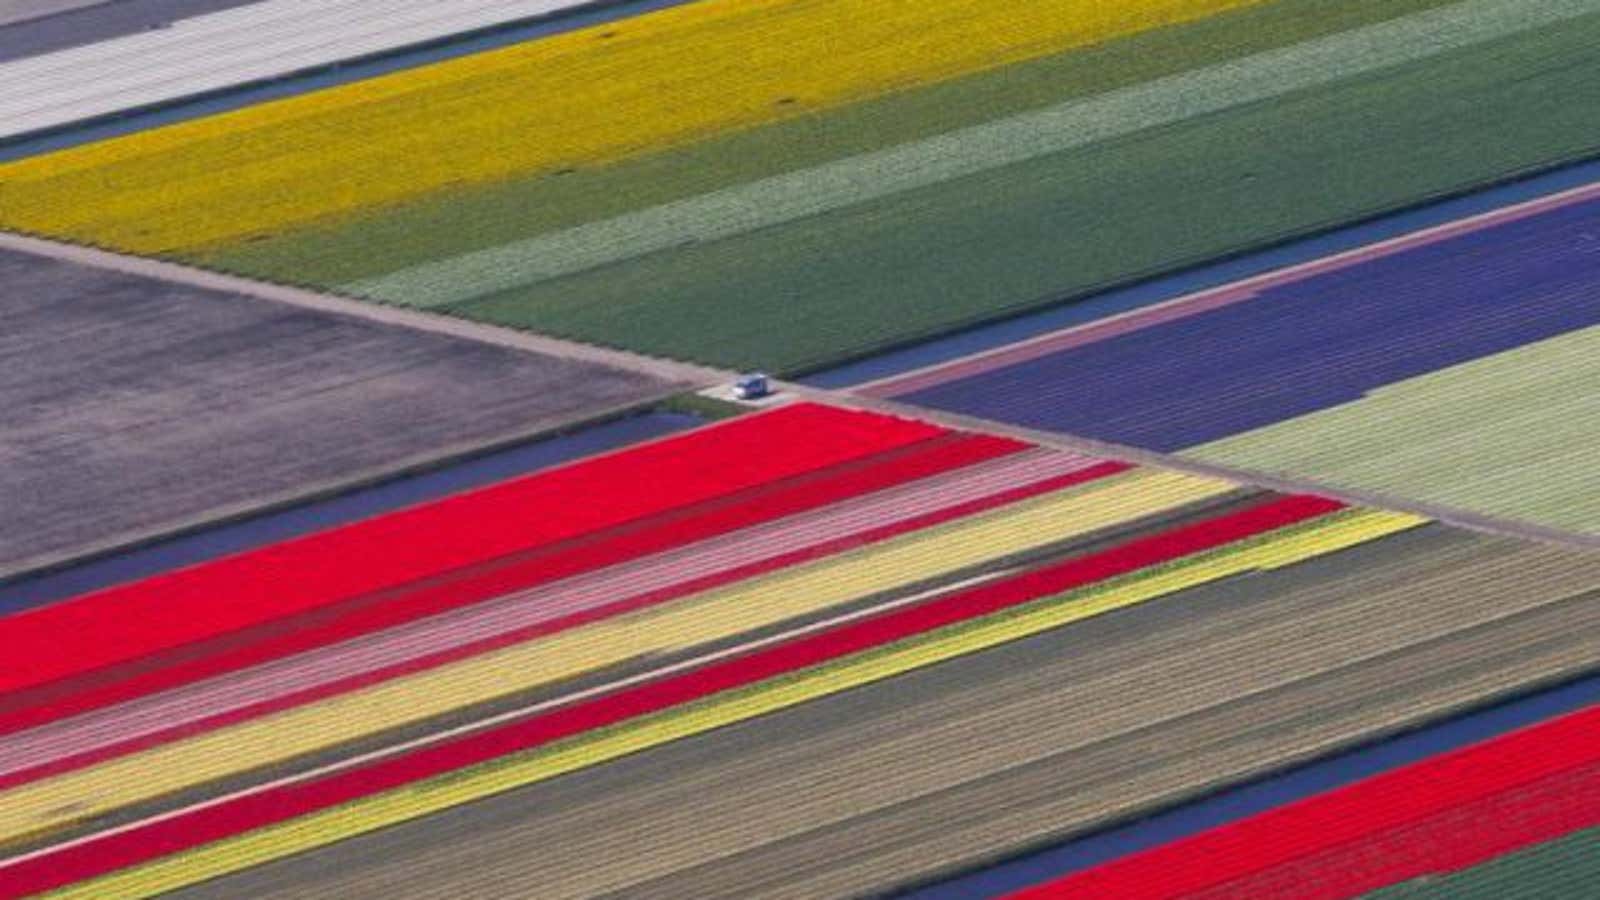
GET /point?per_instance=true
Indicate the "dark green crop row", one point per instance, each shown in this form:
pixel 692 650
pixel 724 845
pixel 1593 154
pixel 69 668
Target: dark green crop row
pixel 859 279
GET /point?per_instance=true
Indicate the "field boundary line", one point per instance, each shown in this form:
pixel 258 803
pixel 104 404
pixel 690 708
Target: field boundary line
pixel 684 374
pixel 1448 515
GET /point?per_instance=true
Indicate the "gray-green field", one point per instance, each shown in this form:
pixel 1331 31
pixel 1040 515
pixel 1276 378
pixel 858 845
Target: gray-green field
pixel 1510 435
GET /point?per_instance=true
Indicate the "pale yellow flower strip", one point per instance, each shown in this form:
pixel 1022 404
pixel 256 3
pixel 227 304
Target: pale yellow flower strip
pixel 403 804
pixel 574 100
pixel 43 806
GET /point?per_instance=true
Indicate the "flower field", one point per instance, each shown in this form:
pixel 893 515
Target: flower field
pixel 292 697
pixel 1471 342
pixel 621 72
pixel 1534 785
pixel 216 374
pixel 104 63
pixel 800 448
pixel 935 171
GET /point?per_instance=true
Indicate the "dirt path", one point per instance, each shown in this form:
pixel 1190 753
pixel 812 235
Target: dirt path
pixel 669 370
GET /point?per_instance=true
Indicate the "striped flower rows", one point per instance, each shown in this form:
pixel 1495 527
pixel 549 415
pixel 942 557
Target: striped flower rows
pixel 1025 154
pixel 318 689
pixel 860 650
pixel 1443 814
pixel 1471 339
pixel 599 96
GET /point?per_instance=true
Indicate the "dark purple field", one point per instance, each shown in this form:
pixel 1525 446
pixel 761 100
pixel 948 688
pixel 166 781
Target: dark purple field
pixel 1300 347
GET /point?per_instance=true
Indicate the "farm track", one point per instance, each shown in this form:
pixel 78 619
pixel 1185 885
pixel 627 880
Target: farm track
pixel 517 339
pixel 689 373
